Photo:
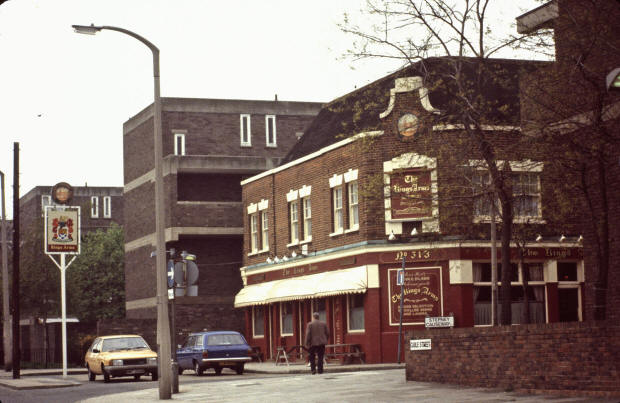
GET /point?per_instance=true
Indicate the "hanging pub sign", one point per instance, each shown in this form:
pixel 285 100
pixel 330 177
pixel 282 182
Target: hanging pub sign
pixel 62 230
pixel 410 193
pixel 422 295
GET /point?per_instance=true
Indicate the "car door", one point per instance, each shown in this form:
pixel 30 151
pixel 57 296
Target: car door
pixel 93 356
pixel 184 353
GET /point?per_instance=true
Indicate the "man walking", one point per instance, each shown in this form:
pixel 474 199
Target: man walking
pixel 317 335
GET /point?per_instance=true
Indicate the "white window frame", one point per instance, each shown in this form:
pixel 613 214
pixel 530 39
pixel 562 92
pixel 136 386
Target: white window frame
pixel 349 307
pixel 353 206
pixel 254 321
pixel 517 283
pixel 245 138
pixel 94 207
pixel 178 136
pixel 517 168
pixel 337 211
pixel 268 143
pixel 107 207
pixel 294 221
pixel 282 318
pixel 254 233
pixel 307 218
pixel 264 230
pixel 46 200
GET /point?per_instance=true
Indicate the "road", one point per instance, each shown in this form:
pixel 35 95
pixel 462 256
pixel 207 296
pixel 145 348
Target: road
pixel 357 387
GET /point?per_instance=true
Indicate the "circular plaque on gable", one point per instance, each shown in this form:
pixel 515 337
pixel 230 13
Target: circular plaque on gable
pixel 407 125
pixel 62 193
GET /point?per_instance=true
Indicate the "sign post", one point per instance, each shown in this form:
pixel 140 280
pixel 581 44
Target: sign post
pixel 62 237
pixel 401 278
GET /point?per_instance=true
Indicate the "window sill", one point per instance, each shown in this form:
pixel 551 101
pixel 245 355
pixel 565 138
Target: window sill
pixel 271 146
pixel 354 229
pixel 485 219
pixel 305 241
pixel 286 334
pixel 356 331
pixel 292 244
pixel 245 145
pixel 258 336
pixel 340 232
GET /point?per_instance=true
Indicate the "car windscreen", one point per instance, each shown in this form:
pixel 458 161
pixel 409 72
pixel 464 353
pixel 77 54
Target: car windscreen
pixel 123 343
pixel 224 339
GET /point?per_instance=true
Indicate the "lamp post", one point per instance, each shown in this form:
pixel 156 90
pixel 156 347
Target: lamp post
pixel 163 326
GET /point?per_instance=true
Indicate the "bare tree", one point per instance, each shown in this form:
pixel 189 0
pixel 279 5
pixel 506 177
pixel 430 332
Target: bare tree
pixel 414 30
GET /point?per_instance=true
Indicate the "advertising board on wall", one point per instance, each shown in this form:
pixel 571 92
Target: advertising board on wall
pixel 422 295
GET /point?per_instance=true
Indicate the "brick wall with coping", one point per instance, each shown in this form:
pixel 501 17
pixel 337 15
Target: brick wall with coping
pixel 575 358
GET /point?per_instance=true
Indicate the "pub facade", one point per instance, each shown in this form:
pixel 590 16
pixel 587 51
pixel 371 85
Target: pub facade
pixel 378 184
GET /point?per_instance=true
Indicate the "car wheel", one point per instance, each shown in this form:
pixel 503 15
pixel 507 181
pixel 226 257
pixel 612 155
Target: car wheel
pixel 218 370
pixel 106 376
pixel 239 369
pixel 154 376
pixel 91 374
pixel 197 368
pixel 136 377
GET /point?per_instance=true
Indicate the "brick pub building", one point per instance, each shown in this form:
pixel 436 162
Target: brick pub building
pixel 209 146
pixel 380 181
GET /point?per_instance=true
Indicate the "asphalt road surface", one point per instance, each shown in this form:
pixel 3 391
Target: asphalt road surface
pixel 357 387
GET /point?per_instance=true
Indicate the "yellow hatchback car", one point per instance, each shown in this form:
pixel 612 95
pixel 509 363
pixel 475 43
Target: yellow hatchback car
pixel 120 355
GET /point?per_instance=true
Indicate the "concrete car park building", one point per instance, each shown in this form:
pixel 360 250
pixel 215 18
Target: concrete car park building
pixel 380 180
pixel 210 146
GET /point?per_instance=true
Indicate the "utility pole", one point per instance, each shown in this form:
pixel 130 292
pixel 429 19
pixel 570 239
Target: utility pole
pixel 15 289
pixel 6 317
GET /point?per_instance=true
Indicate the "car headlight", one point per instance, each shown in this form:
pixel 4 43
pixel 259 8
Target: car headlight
pixel 117 362
pixel 151 360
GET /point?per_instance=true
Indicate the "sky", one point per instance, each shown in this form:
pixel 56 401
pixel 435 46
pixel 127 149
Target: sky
pixel 64 96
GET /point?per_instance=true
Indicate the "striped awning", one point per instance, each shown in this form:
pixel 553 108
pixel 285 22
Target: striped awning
pixel 337 282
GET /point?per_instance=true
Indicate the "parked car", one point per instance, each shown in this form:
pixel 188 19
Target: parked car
pixel 120 355
pixel 216 349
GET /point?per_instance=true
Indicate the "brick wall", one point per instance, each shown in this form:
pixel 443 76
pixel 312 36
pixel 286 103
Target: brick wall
pixel 572 358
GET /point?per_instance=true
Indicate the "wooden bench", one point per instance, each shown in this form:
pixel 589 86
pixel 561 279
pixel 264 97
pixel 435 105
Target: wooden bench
pixel 345 351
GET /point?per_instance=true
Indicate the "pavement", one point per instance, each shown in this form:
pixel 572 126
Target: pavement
pixel 52 378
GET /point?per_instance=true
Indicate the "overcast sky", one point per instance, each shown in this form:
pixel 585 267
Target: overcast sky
pixel 64 96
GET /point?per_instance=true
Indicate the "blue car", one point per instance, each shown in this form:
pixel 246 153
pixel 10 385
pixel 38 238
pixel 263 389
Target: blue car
pixel 217 350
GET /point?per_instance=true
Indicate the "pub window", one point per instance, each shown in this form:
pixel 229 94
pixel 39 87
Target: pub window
pixel 270 130
pixel 179 144
pixel 265 230
pixel 353 206
pixel 318 305
pixel 307 206
pixel 525 191
pixel 245 130
pixel 337 210
pixel 569 292
pixel 294 221
pixel 286 318
pixel 253 233
pixel 94 207
pixel 534 293
pixel 356 312
pixel 258 321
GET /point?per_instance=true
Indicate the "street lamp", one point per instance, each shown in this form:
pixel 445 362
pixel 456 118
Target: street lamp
pixel 163 327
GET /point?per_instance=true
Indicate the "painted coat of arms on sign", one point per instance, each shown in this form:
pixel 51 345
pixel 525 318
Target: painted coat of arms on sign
pixel 62 228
